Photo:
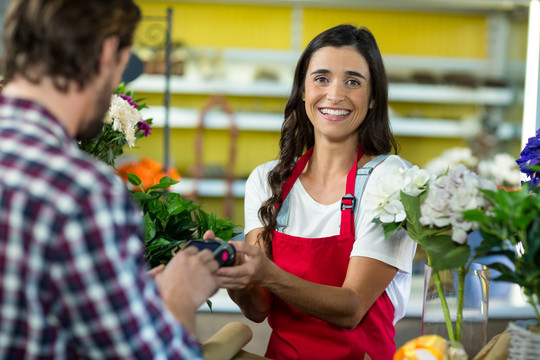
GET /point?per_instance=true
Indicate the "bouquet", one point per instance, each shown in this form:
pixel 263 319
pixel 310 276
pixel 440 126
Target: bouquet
pixel 512 228
pixel 123 125
pixel 431 210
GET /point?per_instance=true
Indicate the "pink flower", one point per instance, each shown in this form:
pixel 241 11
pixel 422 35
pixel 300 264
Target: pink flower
pixel 129 99
pixel 144 127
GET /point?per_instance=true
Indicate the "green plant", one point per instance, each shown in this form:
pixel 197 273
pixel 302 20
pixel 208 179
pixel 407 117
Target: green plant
pixel 170 220
pixel 512 229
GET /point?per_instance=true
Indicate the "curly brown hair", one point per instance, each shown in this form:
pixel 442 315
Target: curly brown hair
pixel 62 39
pixel 297 134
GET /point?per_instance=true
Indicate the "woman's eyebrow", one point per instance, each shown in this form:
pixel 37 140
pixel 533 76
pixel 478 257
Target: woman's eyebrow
pixel 354 73
pixel 348 72
pixel 320 71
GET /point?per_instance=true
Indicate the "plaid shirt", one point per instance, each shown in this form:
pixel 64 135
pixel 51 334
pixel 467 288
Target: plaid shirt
pixel 73 281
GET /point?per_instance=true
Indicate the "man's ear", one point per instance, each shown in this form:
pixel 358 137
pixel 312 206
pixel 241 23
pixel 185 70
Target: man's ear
pixel 109 53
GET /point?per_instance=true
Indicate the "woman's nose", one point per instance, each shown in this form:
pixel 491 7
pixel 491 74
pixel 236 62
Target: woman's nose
pixel 335 93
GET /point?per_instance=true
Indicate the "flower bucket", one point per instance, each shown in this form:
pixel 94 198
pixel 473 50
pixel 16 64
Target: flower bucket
pixel 475 306
pixel 524 344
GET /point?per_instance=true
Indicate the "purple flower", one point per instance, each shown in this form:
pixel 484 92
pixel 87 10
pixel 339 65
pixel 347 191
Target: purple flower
pixel 530 156
pixel 144 127
pixel 129 99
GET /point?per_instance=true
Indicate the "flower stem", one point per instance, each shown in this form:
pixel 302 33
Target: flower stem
pixel 461 289
pixel 444 304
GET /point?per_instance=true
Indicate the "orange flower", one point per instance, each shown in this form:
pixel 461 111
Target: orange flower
pixel 427 347
pixel 148 170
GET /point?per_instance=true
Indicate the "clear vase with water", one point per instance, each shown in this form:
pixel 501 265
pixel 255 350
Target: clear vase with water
pixel 475 305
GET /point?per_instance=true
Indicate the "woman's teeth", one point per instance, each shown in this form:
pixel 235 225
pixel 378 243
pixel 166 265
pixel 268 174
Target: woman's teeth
pixel 334 112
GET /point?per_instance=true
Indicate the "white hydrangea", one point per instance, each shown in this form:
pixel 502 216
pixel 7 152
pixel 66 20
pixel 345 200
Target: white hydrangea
pixel 451 194
pixel 124 118
pixel 502 169
pixel 384 201
pixel 415 180
pixel 450 159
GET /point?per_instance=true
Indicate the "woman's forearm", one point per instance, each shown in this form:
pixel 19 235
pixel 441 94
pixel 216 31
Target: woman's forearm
pixel 343 306
pixel 340 306
pixel 254 301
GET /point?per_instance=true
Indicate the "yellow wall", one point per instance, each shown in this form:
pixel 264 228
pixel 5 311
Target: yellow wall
pixel 269 27
pixel 225 25
pixel 408 33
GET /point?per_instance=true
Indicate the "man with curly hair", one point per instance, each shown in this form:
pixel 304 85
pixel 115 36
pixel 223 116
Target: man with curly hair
pixel 73 282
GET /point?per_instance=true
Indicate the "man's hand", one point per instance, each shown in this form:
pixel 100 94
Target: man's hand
pixel 186 283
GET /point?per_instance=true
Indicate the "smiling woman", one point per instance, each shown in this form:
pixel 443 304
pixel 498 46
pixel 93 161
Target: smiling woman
pixel 335 287
pixel 337 93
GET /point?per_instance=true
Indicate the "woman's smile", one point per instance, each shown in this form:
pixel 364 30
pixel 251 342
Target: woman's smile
pixel 334 114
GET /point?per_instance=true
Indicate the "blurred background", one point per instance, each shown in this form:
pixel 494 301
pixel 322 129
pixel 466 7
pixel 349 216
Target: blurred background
pixel 456 71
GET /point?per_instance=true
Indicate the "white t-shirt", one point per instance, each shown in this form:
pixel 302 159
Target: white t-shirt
pixel 310 219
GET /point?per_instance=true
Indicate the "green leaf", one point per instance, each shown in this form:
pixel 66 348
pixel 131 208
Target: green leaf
pixel 445 253
pixel 157 243
pixel 149 227
pixel 164 183
pixel 391 228
pixel 134 179
pixel 141 197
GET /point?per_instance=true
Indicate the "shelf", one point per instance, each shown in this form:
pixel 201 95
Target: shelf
pixel 209 187
pixel 398 92
pixel 447 94
pixel 183 85
pixel 189 119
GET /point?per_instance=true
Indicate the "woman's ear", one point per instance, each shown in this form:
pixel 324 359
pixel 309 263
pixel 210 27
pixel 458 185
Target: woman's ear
pixel 372 103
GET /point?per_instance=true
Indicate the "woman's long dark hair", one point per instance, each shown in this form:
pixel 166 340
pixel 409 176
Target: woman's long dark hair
pixel 297 133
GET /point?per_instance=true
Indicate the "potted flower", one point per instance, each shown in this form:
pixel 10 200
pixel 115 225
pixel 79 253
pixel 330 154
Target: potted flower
pixel 430 209
pixel 170 220
pixel 511 229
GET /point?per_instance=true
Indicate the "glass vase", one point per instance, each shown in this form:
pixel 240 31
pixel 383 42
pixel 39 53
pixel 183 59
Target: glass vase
pixel 473 332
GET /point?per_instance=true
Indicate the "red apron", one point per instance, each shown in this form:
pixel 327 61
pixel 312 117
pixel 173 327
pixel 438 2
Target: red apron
pixel 296 335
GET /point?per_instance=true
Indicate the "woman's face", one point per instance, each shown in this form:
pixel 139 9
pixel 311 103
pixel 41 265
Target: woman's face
pixel 337 92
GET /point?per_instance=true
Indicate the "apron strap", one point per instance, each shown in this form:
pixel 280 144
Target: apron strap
pixel 362 176
pixel 348 202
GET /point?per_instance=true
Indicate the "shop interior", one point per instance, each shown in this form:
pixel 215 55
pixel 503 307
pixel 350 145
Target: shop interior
pixel 216 76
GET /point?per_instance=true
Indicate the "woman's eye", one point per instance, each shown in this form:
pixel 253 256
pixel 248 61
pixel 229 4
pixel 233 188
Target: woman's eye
pixel 321 80
pixel 353 82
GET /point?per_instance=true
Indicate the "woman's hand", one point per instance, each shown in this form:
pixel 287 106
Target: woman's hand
pixel 252 267
pixel 243 280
